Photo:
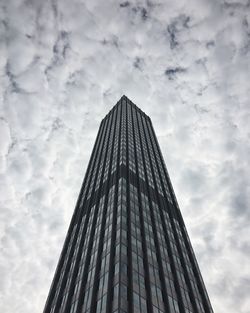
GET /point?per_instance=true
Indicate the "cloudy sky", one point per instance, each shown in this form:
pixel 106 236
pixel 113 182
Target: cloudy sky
pixel 63 65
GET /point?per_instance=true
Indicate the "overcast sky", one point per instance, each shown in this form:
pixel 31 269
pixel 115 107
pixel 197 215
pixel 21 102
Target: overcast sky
pixel 63 65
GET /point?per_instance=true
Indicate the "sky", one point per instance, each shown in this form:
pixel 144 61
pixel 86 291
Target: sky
pixel 63 65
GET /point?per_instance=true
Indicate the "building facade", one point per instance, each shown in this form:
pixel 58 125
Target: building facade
pixel 127 249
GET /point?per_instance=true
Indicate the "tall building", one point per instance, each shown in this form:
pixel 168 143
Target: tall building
pixel 127 249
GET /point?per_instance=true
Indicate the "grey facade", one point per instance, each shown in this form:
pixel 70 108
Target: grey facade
pixel 127 248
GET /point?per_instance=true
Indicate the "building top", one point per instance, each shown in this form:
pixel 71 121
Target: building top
pixel 123 101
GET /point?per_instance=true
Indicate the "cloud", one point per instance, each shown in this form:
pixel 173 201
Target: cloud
pixel 63 66
pixel 172 72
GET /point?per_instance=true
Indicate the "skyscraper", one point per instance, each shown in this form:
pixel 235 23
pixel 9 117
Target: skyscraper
pixel 127 248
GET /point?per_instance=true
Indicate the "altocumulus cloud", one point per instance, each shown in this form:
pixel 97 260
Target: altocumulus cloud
pixel 63 66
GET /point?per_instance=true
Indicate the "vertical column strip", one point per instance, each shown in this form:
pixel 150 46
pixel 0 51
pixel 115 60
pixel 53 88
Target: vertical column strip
pixel 167 239
pixel 202 289
pixel 159 260
pixel 52 291
pixel 102 231
pixel 144 246
pixel 129 249
pixel 103 154
pixel 114 221
pixel 87 206
pixel 182 259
